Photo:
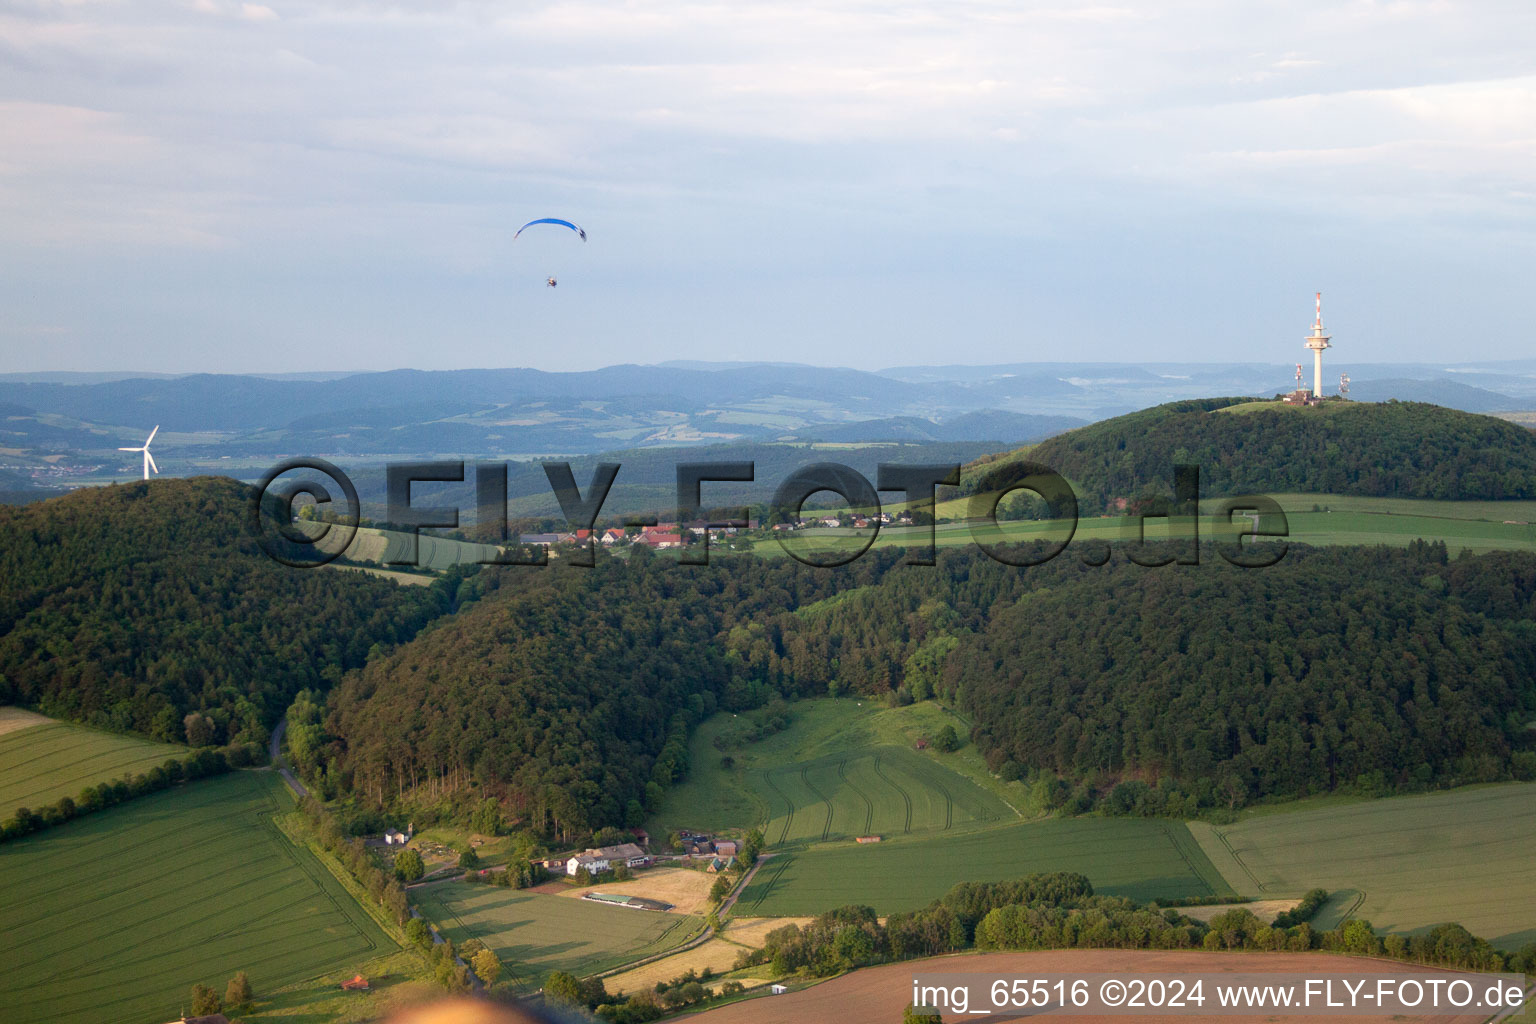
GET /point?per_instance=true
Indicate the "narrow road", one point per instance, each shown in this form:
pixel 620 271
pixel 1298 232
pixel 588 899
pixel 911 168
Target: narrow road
pixel 274 749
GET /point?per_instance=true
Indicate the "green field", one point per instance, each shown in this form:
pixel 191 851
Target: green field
pixel 843 768
pixel 41 763
pixel 114 917
pixel 1411 862
pixel 1137 858
pixel 1474 526
pixel 536 933
pixel 846 768
pixel 886 792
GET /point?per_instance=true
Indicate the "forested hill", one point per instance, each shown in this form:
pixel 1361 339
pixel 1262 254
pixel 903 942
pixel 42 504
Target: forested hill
pixel 130 606
pixel 569 693
pixel 1393 449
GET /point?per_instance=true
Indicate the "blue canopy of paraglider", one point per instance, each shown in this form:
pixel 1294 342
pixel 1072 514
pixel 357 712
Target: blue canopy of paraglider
pixel 552 220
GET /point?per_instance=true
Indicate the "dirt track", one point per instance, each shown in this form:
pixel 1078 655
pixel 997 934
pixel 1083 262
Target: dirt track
pixel 878 995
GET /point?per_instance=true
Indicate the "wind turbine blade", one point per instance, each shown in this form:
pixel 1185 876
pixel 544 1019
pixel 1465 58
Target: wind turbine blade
pixel 152 434
pixel 151 460
pixel 130 449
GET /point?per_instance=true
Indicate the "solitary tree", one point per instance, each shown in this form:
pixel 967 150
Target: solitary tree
pixel 563 988
pixel 408 866
pixel 720 890
pixel 205 1001
pixel 469 859
pixel 487 966
pixel 238 992
pixel 946 739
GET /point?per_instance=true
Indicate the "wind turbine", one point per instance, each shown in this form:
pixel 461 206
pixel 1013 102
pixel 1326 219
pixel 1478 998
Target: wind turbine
pixel 149 460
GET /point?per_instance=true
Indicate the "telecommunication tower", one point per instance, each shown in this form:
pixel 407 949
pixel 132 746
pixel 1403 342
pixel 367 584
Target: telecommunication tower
pixel 1317 341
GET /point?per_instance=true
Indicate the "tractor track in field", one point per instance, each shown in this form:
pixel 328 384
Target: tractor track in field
pixel 905 796
pixel 805 777
pixel 869 807
pixel 789 817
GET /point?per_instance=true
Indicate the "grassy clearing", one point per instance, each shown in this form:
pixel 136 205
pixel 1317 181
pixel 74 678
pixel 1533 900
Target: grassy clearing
pixel 1409 862
pixel 41 763
pixel 115 916
pixel 535 934
pixel 1138 858
pixel 843 768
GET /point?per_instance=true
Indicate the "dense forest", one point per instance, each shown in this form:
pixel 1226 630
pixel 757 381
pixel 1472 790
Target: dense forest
pixel 1348 667
pixel 570 693
pixel 567 693
pixel 1393 449
pixel 130 607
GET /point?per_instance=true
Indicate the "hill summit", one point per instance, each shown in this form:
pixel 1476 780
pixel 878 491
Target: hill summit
pixel 1242 446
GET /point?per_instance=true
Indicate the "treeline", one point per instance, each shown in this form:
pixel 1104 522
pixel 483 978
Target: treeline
pixel 130 606
pixel 1393 449
pixel 381 885
pixel 689 989
pixel 520 873
pixel 442 957
pixel 199 764
pixel 1061 911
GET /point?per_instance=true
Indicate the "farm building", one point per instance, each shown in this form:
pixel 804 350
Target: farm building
pixel 604 858
pixel 631 902
pixel 715 865
pixel 726 847
pixel 394 837
pixel 357 984
pixel 778 990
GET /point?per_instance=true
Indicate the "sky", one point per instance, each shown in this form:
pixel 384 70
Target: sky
pixel 224 186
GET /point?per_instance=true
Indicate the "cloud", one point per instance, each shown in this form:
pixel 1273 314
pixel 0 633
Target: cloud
pixel 854 136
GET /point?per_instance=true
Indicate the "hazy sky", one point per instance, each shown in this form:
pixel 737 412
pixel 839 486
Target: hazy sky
pixel 215 185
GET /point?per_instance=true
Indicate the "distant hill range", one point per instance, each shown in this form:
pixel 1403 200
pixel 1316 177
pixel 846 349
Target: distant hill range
pixel 53 425
pixel 989 425
pixel 1391 449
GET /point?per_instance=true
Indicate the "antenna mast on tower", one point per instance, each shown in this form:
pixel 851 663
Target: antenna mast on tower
pixel 1317 341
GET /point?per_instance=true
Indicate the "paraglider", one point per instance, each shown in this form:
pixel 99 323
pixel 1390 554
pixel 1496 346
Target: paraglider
pixel 550 282
pixel 552 220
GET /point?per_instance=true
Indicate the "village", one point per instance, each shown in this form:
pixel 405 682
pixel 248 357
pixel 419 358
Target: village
pixel 661 536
